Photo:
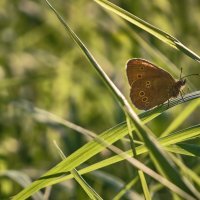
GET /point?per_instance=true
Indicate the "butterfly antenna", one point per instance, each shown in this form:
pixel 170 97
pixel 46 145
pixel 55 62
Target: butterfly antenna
pixel 181 73
pixel 190 75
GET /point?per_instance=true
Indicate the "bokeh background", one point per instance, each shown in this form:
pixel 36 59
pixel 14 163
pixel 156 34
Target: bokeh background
pixel 41 64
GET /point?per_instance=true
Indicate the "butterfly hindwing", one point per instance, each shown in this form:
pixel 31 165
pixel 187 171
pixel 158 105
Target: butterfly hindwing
pixel 147 92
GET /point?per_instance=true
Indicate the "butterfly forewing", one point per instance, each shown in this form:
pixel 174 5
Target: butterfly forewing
pixel 150 85
pixel 140 68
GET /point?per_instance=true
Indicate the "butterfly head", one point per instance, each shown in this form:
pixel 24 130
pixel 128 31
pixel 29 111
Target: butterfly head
pixel 176 89
pixel 182 82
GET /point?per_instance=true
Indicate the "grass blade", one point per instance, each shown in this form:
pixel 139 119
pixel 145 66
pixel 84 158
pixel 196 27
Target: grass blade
pixel 156 32
pixel 125 189
pixel 183 115
pixel 172 139
pixel 22 179
pixel 86 187
pixel 144 185
pixel 139 172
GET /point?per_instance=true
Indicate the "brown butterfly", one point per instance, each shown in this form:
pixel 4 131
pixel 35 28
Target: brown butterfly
pixel 150 85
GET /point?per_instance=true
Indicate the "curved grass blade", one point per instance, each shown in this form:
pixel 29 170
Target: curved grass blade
pixel 46 117
pixel 175 138
pixel 174 102
pixel 193 151
pixel 111 136
pixel 186 170
pixel 181 117
pixel 53 176
pixel 92 194
pixel 115 183
pixel 144 185
pixel 156 32
pixel 22 179
pixel 190 148
pixel 125 189
pixel 139 172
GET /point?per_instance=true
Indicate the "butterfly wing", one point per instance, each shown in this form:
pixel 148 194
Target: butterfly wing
pixel 149 92
pixel 139 68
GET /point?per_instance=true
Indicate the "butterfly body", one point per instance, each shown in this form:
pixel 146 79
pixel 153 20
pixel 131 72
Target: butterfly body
pixel 150 85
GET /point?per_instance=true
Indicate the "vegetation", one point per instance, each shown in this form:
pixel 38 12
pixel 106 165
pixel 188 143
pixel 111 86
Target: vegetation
pixel 64 124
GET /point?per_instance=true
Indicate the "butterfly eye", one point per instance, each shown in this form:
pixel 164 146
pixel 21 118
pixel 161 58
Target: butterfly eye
pixel 139 76
pixel 144 99
pixel 141 93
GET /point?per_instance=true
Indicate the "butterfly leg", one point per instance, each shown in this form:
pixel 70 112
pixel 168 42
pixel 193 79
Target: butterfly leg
pixel 168 102
pixel 181 93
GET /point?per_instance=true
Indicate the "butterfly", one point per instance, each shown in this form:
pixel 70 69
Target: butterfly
pixel 150 85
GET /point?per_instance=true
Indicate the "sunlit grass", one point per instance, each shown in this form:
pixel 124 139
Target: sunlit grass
pixel 71 86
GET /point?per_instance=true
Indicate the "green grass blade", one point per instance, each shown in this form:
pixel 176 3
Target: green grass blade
pixel 163 36
pixel 193 151
pixel 172 139
pixel 140 173
pixel 116 183
pixel 125 189
pixel 174 102
pixel 48 118
pixel 187 171
pixel 85 186
pixel 144 185
pixel 22 179
pixel 186 112
pixel 190 148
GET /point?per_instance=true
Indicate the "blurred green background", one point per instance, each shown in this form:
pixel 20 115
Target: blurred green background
pixel 41 64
